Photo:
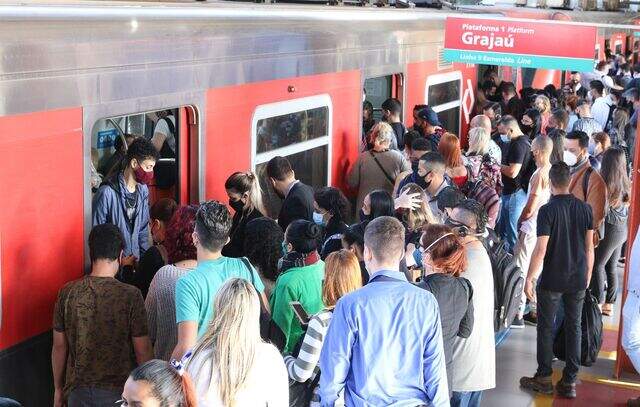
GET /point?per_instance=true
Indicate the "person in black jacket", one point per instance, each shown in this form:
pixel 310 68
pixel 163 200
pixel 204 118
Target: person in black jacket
pixel 297 197
pixel 444 260
pixel 331 211
pixel 245 198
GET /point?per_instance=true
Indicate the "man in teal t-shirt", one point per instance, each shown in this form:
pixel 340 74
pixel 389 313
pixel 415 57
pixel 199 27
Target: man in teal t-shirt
pixel 196 291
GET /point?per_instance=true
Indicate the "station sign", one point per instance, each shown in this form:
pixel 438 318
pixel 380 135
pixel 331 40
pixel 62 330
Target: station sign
pixel 526 44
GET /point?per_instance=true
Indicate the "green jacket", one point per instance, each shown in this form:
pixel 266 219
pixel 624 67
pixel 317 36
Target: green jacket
pixel 302 284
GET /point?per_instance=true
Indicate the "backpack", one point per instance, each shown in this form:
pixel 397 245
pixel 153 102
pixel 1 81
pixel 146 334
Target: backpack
pixel 591 333
pixel 507 281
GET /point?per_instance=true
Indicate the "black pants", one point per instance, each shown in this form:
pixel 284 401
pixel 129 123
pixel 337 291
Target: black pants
pixel 607 254
pixel 548 302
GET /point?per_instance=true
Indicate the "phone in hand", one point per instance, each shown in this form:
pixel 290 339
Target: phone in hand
pixel 300 313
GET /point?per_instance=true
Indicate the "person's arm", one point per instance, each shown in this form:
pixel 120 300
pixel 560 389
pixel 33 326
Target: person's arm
pixel 187 338
pixel 59 353
pixel 434 366
pixel 511 170
pixel 143 234
pixel 588 242
pixel 187 317
pixel 142 348
pixel 158 140
pixel 353 179
pixel 281 312
pixel 335 356
pixel 533 199
pixel 466 324
pixel 535 267
pixel 150 304
pixel 597 199
pixel 101 207
pixel 301 368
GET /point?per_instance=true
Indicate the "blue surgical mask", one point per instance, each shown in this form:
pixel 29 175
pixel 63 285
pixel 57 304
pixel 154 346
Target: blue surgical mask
pixel 318 218
pixel 592 146
pixel 504 138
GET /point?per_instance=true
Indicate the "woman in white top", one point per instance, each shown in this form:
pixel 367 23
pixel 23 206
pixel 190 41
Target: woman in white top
pixel 231 366
pixel 538 194
pixel 160 302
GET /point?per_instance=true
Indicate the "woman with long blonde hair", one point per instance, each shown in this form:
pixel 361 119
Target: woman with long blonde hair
pixel 231 365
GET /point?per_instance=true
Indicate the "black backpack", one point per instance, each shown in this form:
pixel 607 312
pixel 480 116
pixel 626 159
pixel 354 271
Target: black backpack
pixel 591 333
pixel 507 282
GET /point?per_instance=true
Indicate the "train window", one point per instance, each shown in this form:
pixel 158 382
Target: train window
pixel 618 47
pixel 111 136
pixel 299 130
pixel 443 95
pixel 378 90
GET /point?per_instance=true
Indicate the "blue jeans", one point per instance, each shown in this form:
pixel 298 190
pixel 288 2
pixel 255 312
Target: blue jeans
pixel 512 206
pixel 466 398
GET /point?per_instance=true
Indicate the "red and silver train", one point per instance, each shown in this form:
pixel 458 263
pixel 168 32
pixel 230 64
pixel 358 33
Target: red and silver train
pixel 244 83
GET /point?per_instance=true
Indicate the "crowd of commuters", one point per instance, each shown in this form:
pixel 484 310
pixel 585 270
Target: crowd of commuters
pixel 391 303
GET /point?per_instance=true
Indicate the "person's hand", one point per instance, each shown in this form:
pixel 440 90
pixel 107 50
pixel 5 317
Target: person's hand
pixel 530 290
pixel 128 261
pixel 58 398
pixel 408 200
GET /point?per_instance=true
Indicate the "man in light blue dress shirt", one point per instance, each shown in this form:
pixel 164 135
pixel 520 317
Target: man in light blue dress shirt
pixel 384 344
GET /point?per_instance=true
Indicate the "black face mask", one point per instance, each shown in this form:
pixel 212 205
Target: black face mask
pixel 414 166
pixel 526 129
pixel 237 206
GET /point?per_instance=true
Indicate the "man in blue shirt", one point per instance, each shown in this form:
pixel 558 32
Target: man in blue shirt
pixel 384 344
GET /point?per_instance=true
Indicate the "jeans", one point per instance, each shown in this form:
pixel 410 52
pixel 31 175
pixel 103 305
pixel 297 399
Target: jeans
pixel 605 264
pixel 512 206
pixel 86 396
pixel 631 328
pixel 522 253
pixel 466 398
pixel 548 302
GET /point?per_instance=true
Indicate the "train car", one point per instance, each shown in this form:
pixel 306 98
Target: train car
pixel 241 83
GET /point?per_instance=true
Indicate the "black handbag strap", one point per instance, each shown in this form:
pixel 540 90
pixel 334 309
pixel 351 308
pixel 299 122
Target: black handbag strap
pixel 386 175
pixel 247 264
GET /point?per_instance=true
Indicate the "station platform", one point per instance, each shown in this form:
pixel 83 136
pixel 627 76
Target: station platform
pixel 516 357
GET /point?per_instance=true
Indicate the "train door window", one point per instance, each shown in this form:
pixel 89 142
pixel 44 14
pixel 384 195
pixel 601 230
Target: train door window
pixel 378 90
pixel 299 130
pixel 607 46
pixel 618 47
pixel 111 136
pixel 443 93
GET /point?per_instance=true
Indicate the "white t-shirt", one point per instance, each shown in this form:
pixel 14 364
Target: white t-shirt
pixel 163 128
pixel 267 384
pixel 474 358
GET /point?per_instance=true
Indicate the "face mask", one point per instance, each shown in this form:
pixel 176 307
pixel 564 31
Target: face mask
pixel 569 158
pixel 318 218
pixel 504 138
pixel 284 248
pixel 142 176
pixel 525 128
pixel 237 206
pixel 414 166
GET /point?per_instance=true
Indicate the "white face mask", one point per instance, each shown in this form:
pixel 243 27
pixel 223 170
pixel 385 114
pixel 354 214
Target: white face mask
pixel 569 158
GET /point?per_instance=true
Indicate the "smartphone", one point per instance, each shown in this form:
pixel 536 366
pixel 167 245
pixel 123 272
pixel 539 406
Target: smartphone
pixel 300 313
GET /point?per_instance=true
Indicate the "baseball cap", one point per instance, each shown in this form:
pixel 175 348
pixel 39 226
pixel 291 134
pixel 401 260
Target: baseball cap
pixel 430 116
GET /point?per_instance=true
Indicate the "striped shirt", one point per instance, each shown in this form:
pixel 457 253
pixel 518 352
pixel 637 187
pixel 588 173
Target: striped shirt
pixel 305 366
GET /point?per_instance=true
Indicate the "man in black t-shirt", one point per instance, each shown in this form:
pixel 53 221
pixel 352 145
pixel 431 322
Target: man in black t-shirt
pixel 391 111
pixel 514 165
pixel 564 249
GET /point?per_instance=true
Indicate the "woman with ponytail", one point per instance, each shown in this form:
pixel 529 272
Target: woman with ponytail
pixel 158 384
pixel 245 198
pixel 231 365
pixel 444 260
pixel 300 279
pixel 331 211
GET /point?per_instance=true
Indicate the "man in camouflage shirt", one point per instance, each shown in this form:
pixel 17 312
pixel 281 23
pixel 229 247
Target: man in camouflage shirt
pixel 99 329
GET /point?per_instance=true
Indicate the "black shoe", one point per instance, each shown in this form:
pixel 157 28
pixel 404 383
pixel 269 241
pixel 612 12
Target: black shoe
pixel 531 319
pixel 539 384
pixel 518 323
pixel 565 390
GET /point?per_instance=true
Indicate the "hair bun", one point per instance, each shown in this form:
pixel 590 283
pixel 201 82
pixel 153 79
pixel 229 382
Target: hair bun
pixel 313 231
